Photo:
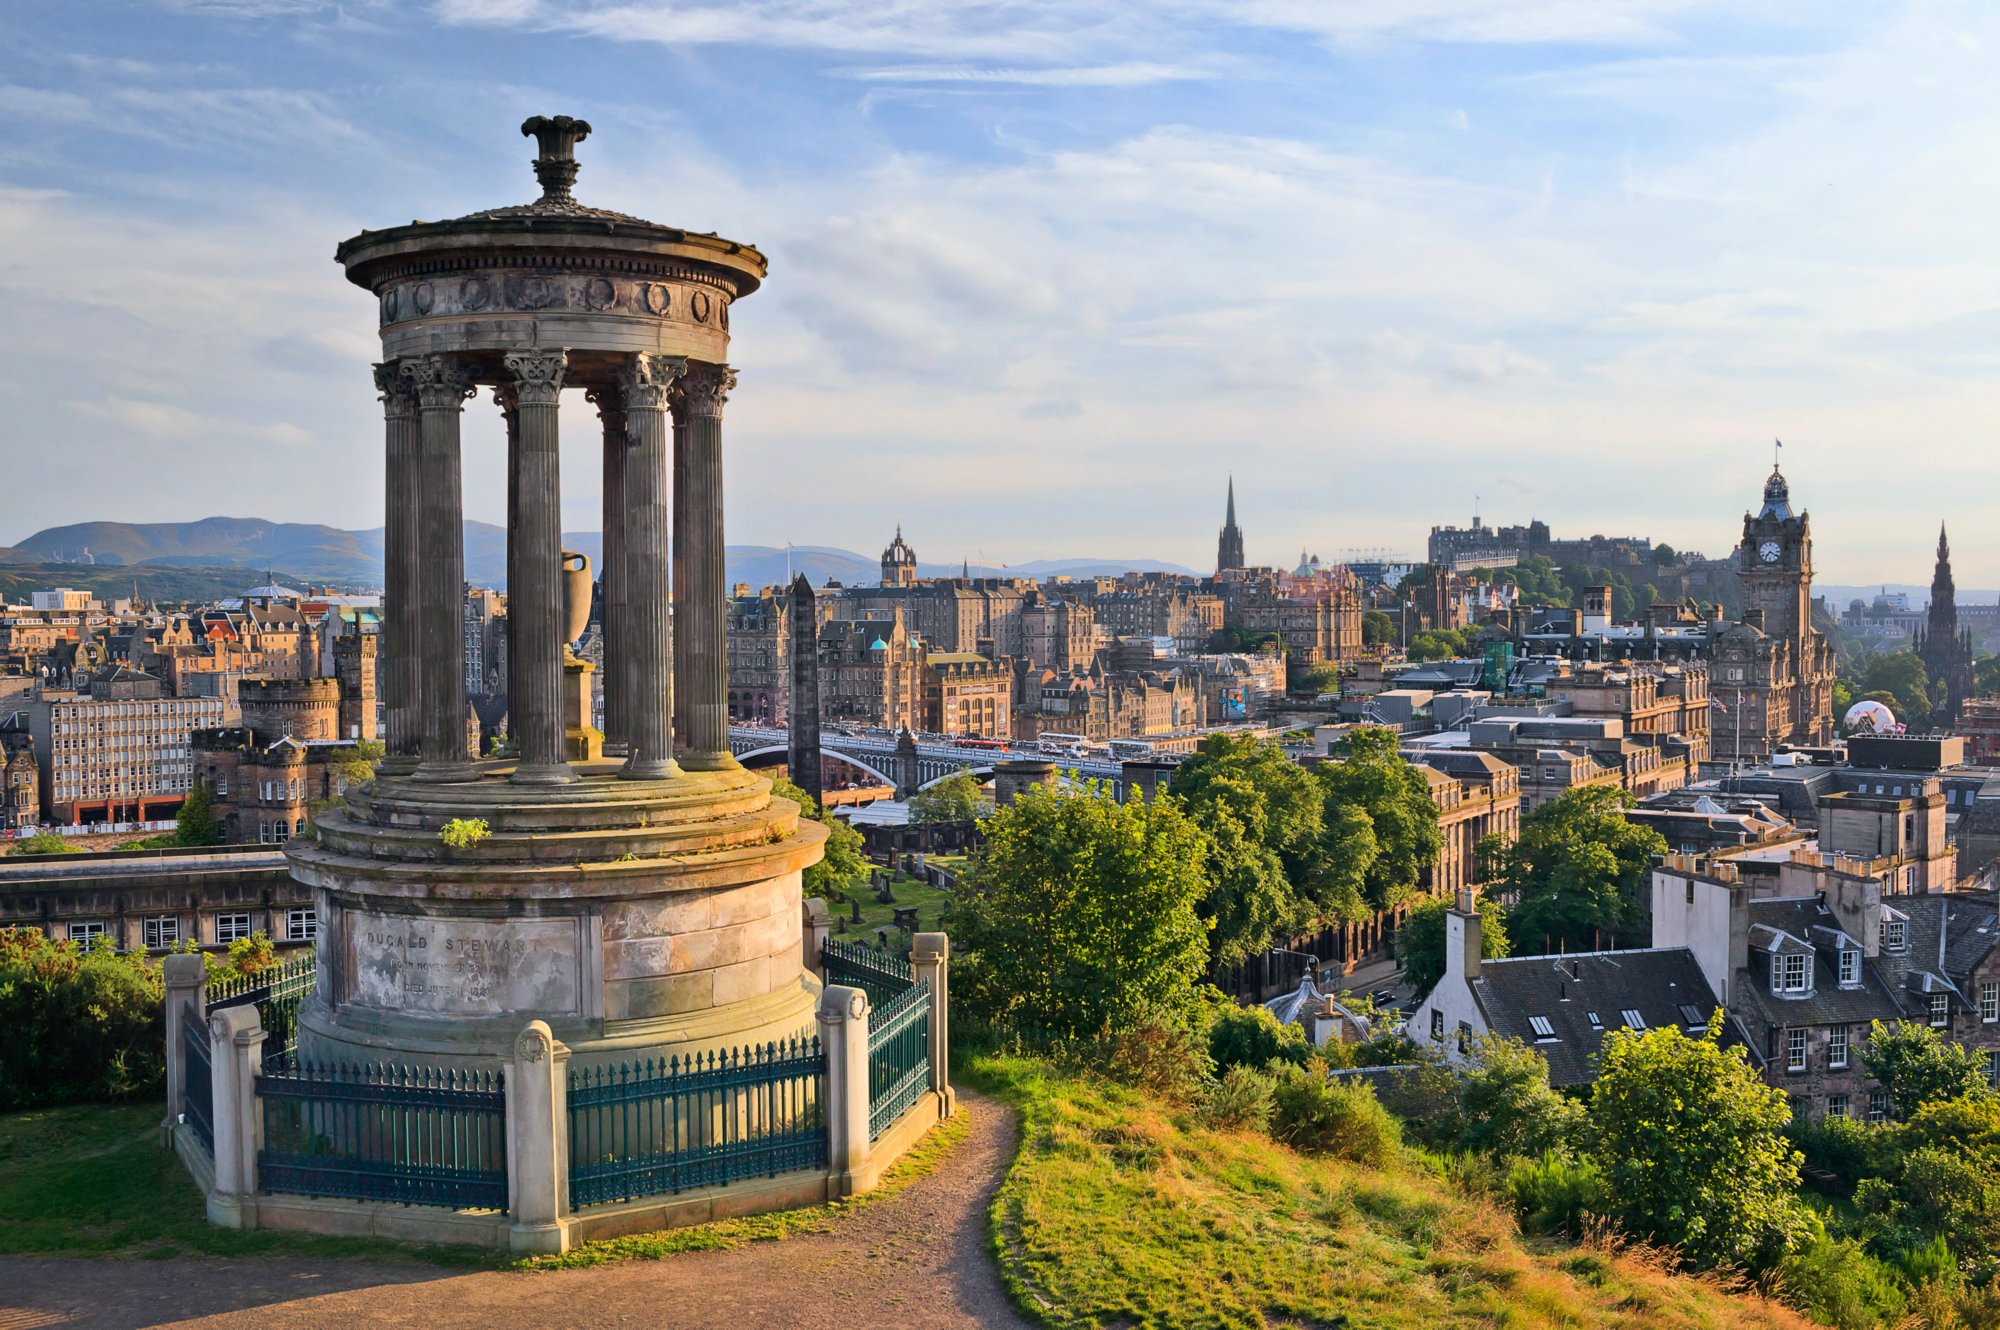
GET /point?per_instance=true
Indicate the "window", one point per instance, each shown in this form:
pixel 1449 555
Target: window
pixel 1895 934
pixel 1633 1020
pixel 1993 1070
pixel 1989 1001
pixel 1437 1025
pixel 1878 1106
pixel 1464 1037
pixel 1691 1015
pixel 1595 1023
pixel 1793 973
pixel 1544 1032
pixel 1836 1105
pixel 232 927
pixel 84 930
pixel 1940 1010
pixel 1850 968
pixel 164 931
pixel 1836 1047
pixel 301 925
pixel 1795 1050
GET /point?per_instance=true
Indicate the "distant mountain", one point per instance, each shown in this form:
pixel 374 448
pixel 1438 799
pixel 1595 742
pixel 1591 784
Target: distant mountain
pixel 312 553
pixel 153 581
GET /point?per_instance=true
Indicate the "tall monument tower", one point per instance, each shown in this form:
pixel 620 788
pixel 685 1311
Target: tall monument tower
pixel 1946 651
pixel 648 902
pixel 1229 545
pixel 1774 562
pixel 899 562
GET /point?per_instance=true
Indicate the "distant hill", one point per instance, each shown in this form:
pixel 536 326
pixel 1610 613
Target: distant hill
pixel 323 554
pixel 155 581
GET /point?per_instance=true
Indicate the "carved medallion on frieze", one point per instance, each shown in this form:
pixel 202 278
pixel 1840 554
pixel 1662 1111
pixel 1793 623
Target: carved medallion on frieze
pixel 475 293
pixel 656 298
pixel 599 293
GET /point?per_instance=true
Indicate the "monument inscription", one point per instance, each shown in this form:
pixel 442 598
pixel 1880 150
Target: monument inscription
pixel 464 967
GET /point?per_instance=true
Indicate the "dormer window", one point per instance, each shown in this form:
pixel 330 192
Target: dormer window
pixel 1940 1010
pixel 1792 973
pixel 1895 934
pixel 1850 968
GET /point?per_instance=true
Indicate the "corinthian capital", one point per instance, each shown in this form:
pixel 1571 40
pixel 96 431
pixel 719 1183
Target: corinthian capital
pixel 399 395
pixel 610 404
pixel 442 382
pixel 646 380
pixel 706 388
pixel 538 375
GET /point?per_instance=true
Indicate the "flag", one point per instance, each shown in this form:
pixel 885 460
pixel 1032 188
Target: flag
pixel 1716 704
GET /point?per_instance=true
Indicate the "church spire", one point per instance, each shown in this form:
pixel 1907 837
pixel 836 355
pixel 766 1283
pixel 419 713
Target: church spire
pixel 1229 516
pixel 1229 546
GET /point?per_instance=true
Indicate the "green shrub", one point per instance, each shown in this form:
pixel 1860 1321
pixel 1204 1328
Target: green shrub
pixel 45 842
pixel 1154 1052
pixel 1243 1100
pixel 1554 1194
pixel 1337 1117
pixel 1848 1148
pixel 462 833
pixel 1836 1283
pixel 1253 1037
pixel 1505 1105
pixel 82 1024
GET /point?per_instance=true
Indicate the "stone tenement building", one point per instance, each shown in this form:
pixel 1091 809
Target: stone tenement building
pixel 871 673
pixel 760 648
pixel 269 774
pixel 1946 648
pixel 113 748
pixel 1773 670
pixel 20 781
pixel 1316 611
pixel 157 901
pixel 966 693
pixel 1477 795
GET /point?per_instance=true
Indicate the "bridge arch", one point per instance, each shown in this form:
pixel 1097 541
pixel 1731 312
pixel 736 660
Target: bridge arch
pixel 749 760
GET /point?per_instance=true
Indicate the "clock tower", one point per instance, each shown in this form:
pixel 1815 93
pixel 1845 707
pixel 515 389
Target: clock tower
pixel 1774 563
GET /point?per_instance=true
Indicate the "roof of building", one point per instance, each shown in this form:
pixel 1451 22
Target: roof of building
pixel 1581 997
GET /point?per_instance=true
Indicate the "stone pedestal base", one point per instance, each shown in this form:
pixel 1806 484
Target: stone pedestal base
pixel 637 918
pixel 582 741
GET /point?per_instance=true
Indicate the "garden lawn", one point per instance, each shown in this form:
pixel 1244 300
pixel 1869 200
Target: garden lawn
pixel 94 1180
pixel 908 891
pixel 1122 1211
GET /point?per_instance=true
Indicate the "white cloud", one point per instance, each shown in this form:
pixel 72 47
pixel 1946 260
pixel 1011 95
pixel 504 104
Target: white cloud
pixel 1126 75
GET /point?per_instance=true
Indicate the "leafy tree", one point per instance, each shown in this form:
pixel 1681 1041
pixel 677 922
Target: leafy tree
pixel 1906 683
pixel 1081 913
pixel 1918 1066
pixel 1437 644
pixel 1377 628
pixel 83 1023
pixel 357 762
pixel 1380 828
pixel 1692 1148
pixel 843 866
pixel 1262 815
pixel 1581 870
pixel 196 823
pixel 1986 676
pixel 1506 1107
pixel 956 798
pixel 1316 679
pixel 45 842
pixel 1665 556
pixel 1253 1038
pixel 1420 941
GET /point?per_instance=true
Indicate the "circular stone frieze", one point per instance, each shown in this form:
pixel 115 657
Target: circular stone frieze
pixel 389 305
pixel 475 293
pixel 423 297
pixel 698 305
pixel 657 297
pixel 599 293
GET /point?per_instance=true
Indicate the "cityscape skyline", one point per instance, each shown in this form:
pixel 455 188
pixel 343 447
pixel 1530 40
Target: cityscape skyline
pixel 1550 258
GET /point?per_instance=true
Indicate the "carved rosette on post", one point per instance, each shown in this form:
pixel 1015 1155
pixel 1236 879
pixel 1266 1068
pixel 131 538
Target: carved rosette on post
pixel 635 906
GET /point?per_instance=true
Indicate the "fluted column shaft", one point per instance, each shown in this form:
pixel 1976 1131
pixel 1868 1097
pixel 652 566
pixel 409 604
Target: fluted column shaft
pixel 683 722
pixel 401 613
pixel 442 384
pixel 701 659
pixel 535 597
pixel 649 726
pixel 615 679
pixel 510 412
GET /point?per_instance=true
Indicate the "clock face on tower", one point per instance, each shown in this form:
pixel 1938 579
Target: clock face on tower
pixel 1769 551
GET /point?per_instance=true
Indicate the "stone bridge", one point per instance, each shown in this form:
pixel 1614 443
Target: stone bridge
pixel 880 756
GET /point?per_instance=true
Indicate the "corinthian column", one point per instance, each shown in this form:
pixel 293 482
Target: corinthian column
pixel 509 403
pixel 401 613
pixel 610 404
pixel 649 726
pixel 701 662
pixel 535 599
pixel 442 384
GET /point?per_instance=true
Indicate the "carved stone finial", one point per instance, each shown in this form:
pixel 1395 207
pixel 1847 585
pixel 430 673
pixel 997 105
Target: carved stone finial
pixel 555 168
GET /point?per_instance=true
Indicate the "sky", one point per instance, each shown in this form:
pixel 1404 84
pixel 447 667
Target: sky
pixel 1045 272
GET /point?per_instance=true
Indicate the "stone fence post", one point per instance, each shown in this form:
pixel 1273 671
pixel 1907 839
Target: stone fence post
pixel 235 1052
pixel 187 982
pixel 818 925
pixel 843 1034
pixel 929 955
pixel 538 1141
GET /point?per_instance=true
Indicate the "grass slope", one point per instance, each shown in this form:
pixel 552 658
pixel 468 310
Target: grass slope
pixel 1122 1212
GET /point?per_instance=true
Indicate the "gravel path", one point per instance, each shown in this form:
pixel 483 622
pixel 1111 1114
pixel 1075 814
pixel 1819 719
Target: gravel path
pixel 917 1261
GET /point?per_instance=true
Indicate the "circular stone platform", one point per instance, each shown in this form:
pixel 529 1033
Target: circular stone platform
pixel 655 917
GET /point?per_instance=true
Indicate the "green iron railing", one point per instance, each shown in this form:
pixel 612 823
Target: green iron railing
pixel 881 976
pixel 414 1135
pixel 654 1128
pixel 277 992
pixel 197 1079
pixel 898 1056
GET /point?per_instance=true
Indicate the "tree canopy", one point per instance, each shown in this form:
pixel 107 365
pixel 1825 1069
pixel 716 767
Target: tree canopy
pixel 1693 1150
pixel 843 865
pixel 1918 1066
pixel 1081 913
pixel 1380 828
pixel 1262 814
pixel 1377 628
pixel 196 823
pixel 1420 942
pixel 1582 871
pixel 956 798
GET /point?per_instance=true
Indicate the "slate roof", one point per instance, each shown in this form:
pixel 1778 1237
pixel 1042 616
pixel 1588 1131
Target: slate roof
pixel 1567 990
pixel 1798 924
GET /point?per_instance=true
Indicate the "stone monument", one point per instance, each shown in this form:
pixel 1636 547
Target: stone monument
pixel 645 897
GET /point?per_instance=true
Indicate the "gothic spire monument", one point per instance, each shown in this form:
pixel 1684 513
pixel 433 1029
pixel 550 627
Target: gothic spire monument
pixel 1229 545
pixel 1945 649
pixel 645 901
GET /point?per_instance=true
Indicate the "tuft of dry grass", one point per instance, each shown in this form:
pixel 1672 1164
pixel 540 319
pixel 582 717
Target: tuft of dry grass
pixel 1121 1210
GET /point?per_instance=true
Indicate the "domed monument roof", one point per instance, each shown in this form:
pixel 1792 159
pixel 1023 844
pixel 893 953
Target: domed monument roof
pixel 1777 496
